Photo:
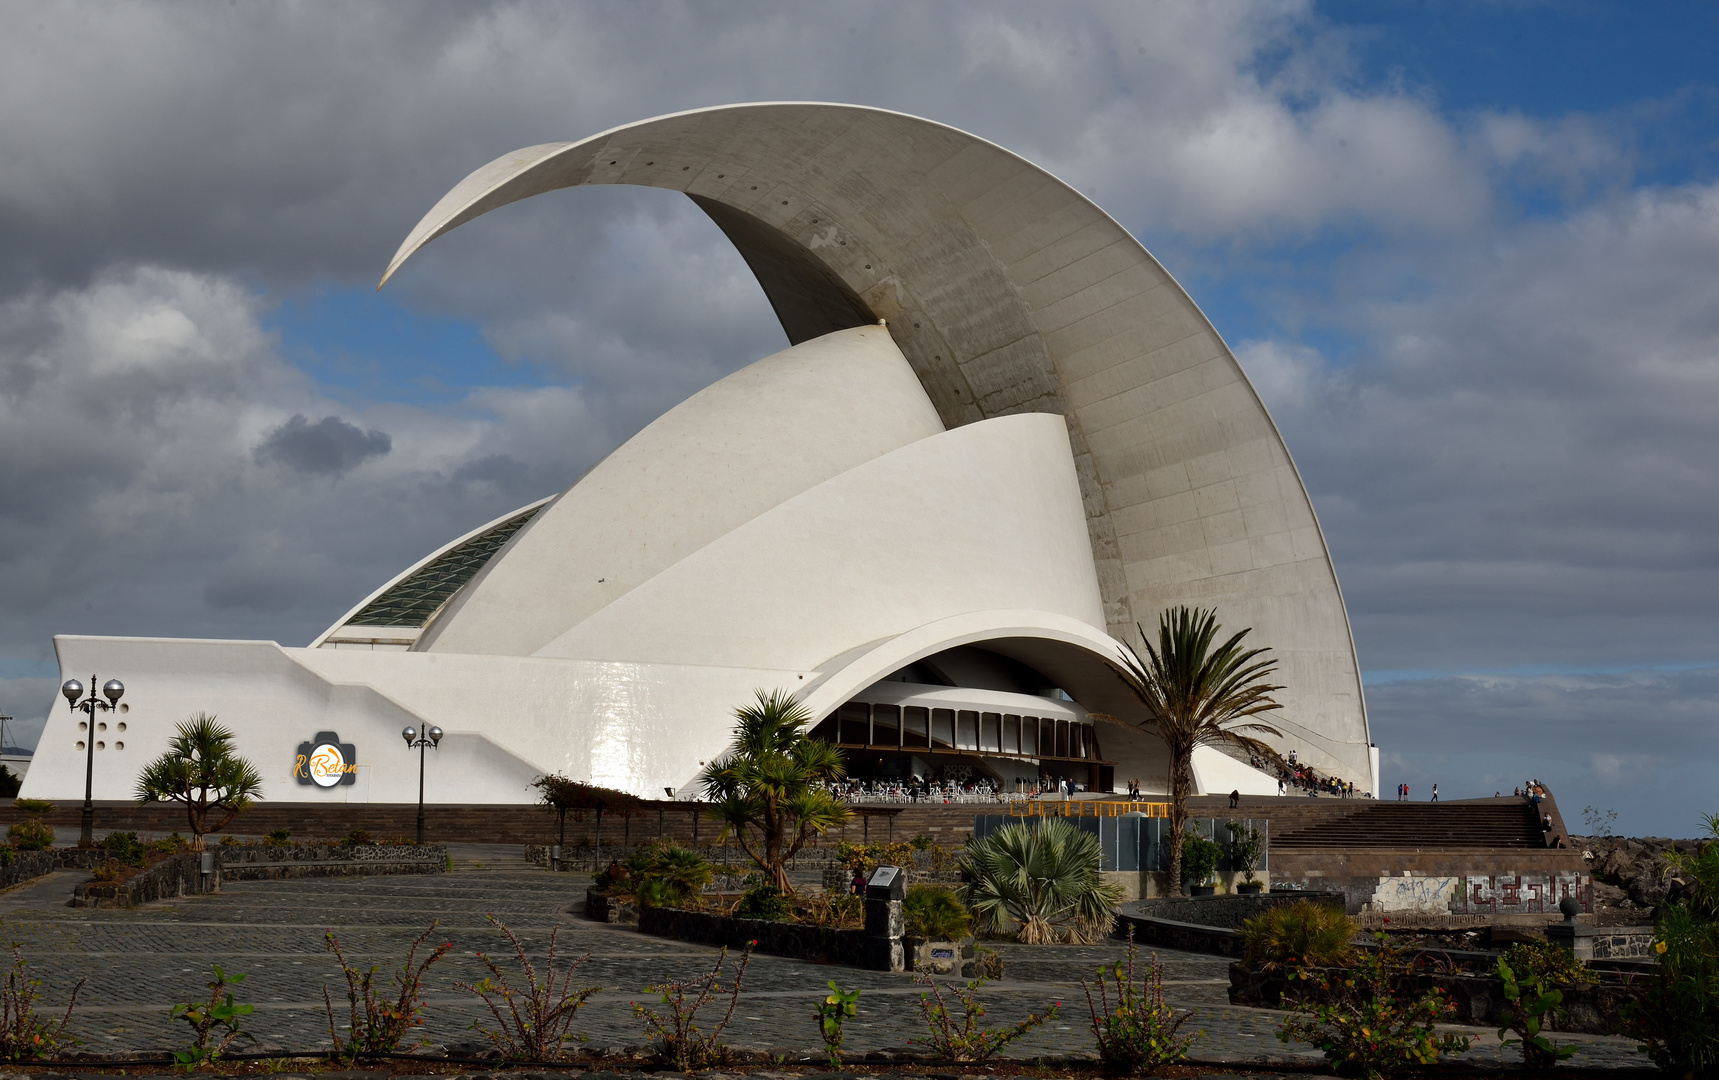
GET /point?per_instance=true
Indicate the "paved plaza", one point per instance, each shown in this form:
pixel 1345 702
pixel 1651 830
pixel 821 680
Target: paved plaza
pixel 139 963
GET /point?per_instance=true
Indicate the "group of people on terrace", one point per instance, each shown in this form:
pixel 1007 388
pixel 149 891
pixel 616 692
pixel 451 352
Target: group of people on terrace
pixel 979 789
pixel 1303 778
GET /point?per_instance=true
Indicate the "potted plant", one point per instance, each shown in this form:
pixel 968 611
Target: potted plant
pixel 1247 844
pixel 1200 858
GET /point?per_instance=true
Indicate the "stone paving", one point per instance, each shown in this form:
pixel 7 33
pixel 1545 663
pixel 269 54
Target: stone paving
pixel 139 963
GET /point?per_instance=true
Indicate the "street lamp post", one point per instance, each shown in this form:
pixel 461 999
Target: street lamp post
pixel 432 738
pixel 113 690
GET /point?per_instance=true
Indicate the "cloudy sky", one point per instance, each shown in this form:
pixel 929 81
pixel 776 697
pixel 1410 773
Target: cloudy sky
pixel 1468 252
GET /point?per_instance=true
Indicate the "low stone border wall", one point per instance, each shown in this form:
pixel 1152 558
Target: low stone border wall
pixel 181 875
pixel 28 865
pixel 1228 911
pixel 816 943
pixel 1479 1000
pixel 610 908
pixel 1171 934
pixel 174 876
pixel 274 862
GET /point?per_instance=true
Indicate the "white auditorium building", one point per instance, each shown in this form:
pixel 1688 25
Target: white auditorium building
pixel 1003 436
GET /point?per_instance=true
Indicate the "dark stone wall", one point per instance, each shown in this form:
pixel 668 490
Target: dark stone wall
pixel 174 876
pixel 1226 911
pixel 815 943
pixel 1188 937
pixel 26 865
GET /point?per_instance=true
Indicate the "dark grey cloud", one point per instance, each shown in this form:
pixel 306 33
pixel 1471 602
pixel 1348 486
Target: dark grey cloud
pixel 329 447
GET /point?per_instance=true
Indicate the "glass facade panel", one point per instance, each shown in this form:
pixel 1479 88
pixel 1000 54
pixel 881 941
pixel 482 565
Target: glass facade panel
pixel 915 725
pixel 1011 734
pixel 886 725
pixel 1030 736
pixel 1092 750
pixel 1077 740
pixel 826 730
pixel 942 729
pixel 1060 737
pixel 990 737
pixel 856 723
pixel 967 730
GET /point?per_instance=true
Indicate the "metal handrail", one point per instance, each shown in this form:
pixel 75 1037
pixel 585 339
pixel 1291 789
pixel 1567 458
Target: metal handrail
pixel 1078 807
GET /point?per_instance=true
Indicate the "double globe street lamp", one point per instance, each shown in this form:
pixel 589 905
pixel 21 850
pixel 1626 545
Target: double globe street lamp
pixel 432 738
pixel 113 690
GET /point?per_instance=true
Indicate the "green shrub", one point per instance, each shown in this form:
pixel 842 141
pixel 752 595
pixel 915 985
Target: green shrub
pixel 1200 858
pixel 125 847
pixel 31 835
pixel 1676 1013
pixel 230 841
pixel 1040 883
pixel 34 807
pixel 9 783
pixel 280 838
pixel 171 844
pixel 667 875
pixel 1544 962
pixel 1304 932
pixel 764 902
pixel 357 838
pixel 931 911
pixel 107 871
pixel 613 878
pixel 1365 1028
pixel 1531 1005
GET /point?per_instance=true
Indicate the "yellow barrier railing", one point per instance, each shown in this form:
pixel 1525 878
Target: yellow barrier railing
pixel 1080 807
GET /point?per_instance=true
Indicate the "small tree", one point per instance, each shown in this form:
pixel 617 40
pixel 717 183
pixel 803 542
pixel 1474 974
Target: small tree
pixel 201 770
pixel 768 790
pixel 1197 693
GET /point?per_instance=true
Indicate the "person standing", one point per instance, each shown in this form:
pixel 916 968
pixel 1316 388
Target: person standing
pixel 1235 798
pixel 1435 793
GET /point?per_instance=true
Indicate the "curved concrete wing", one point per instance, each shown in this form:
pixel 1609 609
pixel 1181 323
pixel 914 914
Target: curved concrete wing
pixel 1008 291
pixel 706 467
pixel 984 517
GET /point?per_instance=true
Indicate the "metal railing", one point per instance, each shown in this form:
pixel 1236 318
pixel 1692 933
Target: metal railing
pixel 1081 807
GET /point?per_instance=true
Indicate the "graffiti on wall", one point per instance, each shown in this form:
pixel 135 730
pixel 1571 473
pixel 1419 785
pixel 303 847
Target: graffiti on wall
pixel 1430 895
pixel 1509 894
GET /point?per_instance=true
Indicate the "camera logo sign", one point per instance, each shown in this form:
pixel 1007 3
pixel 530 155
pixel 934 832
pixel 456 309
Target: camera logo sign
pixel 325 762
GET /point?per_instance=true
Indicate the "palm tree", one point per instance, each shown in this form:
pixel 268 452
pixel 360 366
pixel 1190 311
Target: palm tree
pixel 201 770
pixel 1040 881
pixel 768 789
pixel 1194 694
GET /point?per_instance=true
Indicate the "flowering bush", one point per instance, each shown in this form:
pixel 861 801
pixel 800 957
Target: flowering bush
pixel 966 1039
pixel 677 1037
pixel 1365 1028
pixel 377 1024
pixel 1139 1031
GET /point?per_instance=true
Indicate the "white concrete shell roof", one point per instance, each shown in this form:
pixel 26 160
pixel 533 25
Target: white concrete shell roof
pixel 1008 292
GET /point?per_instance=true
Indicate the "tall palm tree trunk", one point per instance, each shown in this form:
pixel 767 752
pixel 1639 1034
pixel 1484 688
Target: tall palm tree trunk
pixel 1181 785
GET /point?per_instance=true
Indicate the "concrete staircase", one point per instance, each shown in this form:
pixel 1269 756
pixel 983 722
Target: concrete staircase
pixel 1474 823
